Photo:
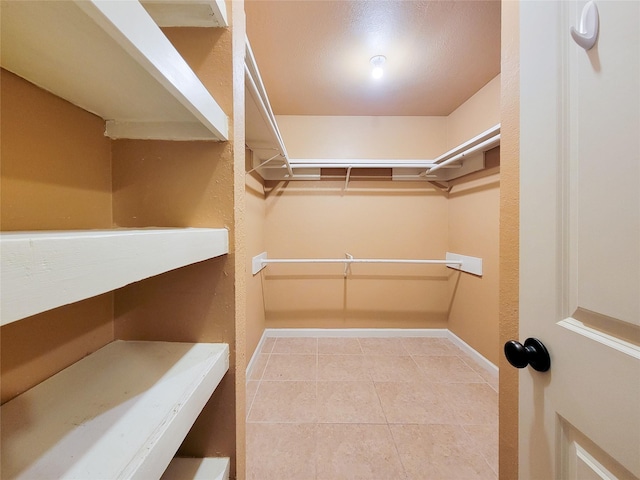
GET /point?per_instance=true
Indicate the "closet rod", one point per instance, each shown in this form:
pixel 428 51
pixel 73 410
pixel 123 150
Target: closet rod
pixel 357 260
pixel 483 146
pixel 453 260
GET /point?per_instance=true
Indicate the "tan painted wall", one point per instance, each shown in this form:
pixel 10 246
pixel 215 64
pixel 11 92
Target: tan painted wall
pixel 369 220
pixel 255 217
pixel 474 220
pixel 363 137
pixel 56 174
pixel 509 235
pixel 479 113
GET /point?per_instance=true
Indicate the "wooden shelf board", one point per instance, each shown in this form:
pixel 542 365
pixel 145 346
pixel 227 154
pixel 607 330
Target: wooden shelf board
pixel 43 270
pixel 111 59
pixel 121 412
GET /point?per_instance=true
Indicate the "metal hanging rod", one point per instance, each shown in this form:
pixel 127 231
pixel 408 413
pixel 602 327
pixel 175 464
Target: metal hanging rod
pixel 459 262
pixel 350 260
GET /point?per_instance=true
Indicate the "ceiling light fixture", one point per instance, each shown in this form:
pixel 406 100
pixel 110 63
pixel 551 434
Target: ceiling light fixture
pixel 377 63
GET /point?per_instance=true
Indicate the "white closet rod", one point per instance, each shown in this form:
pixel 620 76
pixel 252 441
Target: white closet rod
pixel 460 262
pixel 332 163
pixel 487 144
pixel 358 260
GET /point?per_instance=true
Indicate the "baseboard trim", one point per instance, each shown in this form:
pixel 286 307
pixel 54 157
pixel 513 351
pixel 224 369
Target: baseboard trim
pixel 254 357
pixel 371 333
pixel 477 356
pixel 355 332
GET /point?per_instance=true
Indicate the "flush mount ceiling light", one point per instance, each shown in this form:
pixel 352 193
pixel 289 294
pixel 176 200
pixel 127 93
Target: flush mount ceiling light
pixel 377 62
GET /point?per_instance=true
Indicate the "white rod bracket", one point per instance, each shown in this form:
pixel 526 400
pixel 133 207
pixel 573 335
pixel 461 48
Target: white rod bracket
pixel 347 264
pixel 468 264
pixel 257 263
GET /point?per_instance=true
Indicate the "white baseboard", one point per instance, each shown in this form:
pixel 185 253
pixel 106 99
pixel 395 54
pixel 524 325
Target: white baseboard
pixel 254 357
pixel 355 332
pixel 465 347
pixel 371 333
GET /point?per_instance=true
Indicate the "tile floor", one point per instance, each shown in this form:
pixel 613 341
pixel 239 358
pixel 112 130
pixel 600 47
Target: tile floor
pixel 370 408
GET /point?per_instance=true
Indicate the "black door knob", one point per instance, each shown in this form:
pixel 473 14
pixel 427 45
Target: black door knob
pixel 533 353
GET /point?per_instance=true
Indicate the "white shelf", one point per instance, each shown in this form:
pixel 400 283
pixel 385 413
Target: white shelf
pixel 44 270
pixel 197 469
pixel 262 135
pixel 111 59
pixel 191 13
pixel 121 412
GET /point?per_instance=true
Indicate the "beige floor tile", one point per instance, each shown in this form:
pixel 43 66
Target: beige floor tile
pixel 294 367
pixel 429 346
pixel 252 387
pixel 296 345
pixel 413 403
pixel 339 346
pixel 281 451
pixel 258 367
pixel 392 368
pixel 447 369
pixel 357 452
pixel 439 452
pixel 490 378
pixel 382 346
pixel 348 402
pixel 267 345
pixel 342 368
pixel 280 402
pixel 485 439
pixel 472 403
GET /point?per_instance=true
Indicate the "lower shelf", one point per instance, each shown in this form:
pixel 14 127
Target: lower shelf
pixel 197 469
pixel 121 412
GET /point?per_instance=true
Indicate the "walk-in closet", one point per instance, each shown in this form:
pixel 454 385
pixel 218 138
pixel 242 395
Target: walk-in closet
pixel 373 227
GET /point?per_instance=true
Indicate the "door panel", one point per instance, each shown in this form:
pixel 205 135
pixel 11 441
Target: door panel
pixel 580 242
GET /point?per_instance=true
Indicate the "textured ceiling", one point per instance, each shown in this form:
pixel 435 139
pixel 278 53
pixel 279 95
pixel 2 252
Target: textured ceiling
pixel 314 55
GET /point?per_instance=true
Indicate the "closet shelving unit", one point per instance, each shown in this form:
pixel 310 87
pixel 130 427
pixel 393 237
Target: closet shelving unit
pixel 261 130
pixel 122 411
pixel 272 162
pixel 111 59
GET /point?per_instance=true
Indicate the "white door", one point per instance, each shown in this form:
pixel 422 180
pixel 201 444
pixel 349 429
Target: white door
pixel 580 241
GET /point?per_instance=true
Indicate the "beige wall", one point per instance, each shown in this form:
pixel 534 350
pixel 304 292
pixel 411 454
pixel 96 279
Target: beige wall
pixel 363 137
pixel 56 174
pixel 509 235
pixel 474 221
pixel 368 220
pixel 255 217
pixel 479 113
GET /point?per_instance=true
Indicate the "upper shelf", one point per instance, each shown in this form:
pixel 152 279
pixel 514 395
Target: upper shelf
pixel 464 159
pixel 191 13
pixel 44 270
pixel 111 59
pixel 262 135
pixel 121 412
